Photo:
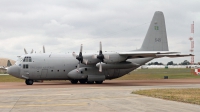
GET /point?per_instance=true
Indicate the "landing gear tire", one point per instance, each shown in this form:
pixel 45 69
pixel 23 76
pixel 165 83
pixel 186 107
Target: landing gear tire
pixel 74 81
pixel 29 82
pixel 83 81
pixel 98 82
pixel 90 82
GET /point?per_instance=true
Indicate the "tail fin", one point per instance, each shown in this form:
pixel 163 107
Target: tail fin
pixel 156 37
pixel 9 63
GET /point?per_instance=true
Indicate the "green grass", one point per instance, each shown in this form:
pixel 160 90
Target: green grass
pixel 190 95
pixel 140 74
pixel 172 73
pixel 9 78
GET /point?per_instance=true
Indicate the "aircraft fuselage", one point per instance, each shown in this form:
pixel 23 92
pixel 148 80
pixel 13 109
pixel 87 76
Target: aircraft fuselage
pixel 64 67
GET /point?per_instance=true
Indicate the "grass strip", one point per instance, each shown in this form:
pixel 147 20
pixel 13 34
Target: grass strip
pixel 9 78
pixel 139 74
pixel 189 95
pixel 153 74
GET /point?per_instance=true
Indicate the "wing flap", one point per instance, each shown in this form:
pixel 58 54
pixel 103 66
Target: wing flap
pixel 173 55
pixel 155 54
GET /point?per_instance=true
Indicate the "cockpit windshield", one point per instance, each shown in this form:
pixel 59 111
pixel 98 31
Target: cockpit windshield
pixel 23 59
pixel 27 59
pixel 19 59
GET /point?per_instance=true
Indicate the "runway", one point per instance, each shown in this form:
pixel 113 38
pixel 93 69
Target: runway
pixel 112 96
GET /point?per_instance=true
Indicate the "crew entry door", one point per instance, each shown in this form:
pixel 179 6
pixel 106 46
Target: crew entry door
pixel 44 73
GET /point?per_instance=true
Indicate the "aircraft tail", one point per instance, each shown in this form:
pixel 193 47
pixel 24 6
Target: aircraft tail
pixel 9 63
pixel 156 37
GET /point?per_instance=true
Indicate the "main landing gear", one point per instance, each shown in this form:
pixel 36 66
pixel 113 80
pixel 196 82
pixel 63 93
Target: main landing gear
pixel 83 81
pixel 29 82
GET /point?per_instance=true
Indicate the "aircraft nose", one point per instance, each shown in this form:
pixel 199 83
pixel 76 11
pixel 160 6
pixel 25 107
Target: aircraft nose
pixel 14 71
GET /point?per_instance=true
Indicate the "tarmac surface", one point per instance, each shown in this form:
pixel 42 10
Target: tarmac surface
pixel 111 96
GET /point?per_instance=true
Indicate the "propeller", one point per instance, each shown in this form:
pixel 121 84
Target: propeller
pixel 80 58
pixel 101 57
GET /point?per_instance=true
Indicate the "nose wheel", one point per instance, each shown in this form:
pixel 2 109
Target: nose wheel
pixel 29 82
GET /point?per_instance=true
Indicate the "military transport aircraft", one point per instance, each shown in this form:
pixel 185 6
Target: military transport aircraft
pixel 90 68
pixel 6 67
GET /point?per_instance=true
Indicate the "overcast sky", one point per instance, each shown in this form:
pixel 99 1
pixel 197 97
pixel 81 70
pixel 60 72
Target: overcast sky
pixel 121 25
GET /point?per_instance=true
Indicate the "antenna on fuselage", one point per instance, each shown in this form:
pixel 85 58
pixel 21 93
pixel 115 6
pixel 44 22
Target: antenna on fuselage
pixel 31 51
pixel 43 49
pixel 25 51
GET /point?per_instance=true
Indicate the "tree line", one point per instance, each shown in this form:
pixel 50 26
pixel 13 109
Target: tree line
pixel 185 62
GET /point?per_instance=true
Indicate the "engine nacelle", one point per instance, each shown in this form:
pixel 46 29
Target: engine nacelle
pixel 114 57
pixel 91 73
pixel 125 65
pixel 74 74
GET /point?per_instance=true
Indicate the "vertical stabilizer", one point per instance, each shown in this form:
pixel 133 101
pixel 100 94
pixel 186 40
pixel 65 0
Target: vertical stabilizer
pixel 9 63
pixel 156 37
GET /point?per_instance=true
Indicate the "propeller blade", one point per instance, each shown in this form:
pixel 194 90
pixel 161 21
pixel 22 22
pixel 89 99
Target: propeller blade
pixel 43 49
pixel 25 51
pixel 106 57
pixel 100 46
pixel 100 67
pixel 85 61
pixel 31 51
pixel 81 48
pixel 94 56
pixel 74 54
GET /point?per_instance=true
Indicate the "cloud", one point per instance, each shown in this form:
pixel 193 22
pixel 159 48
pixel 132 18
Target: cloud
pixel 63 25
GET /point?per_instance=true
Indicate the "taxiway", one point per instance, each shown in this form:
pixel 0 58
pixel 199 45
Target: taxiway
pixel 112 96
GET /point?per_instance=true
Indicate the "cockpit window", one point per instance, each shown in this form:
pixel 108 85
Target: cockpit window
pixel 27 59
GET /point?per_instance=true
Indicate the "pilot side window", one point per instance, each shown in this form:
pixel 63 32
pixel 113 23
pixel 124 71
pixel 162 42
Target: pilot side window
pixel 25 66
pixel 27 59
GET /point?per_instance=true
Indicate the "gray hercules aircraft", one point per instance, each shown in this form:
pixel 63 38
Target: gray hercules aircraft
pixel 90 68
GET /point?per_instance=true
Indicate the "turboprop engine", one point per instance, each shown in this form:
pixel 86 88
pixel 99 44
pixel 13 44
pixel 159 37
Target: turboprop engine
pixel 108 58
pixel 89 73
pixel 124 65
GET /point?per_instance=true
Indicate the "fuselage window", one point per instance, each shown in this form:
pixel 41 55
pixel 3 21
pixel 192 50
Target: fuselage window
pixel 25 66
pixel 27 59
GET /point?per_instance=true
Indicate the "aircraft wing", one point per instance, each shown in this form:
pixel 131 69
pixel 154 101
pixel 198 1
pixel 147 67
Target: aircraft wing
pixel 140 54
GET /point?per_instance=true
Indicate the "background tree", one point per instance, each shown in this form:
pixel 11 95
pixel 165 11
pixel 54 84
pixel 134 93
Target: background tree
pixel 170 63
pixel 185 62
